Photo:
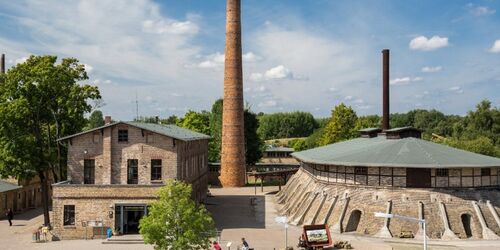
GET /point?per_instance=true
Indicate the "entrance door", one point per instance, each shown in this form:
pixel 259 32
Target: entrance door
pixel 128 217
pixel 418 177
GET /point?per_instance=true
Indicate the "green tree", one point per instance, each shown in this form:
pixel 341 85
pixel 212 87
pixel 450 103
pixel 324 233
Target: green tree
pixel 196 121
pixel 170 120
pixel 484 121
pixel 175 222
pixel 254 146
pixel 342 125
pixel 214 146
pixel 41 101
pixel 96 119
pixel 480 145
pixel 147 119
pixel 286 125
pixel 369 121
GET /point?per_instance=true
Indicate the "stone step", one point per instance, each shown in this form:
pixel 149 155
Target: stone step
pixel 131 242
pixel 124 240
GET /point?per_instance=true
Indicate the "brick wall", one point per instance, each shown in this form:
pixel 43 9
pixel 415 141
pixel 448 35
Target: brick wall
pixel 181 160
pixel 405 201
pixel 94 202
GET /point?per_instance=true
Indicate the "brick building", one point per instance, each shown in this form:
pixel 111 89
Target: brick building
pixel 21 195
pixel 115 170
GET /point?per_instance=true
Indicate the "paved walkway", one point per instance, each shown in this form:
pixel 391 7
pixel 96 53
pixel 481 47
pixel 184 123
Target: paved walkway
pixel 235 217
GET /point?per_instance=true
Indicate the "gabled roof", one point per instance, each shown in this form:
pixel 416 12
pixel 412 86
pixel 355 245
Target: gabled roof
pixel 382 152
pixel 167 130
pixel 7 186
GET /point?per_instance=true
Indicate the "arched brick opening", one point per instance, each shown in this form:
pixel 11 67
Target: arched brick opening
pixel 353 222
pixel 466 223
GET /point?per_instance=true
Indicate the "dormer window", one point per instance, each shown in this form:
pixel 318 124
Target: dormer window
pixel 122 135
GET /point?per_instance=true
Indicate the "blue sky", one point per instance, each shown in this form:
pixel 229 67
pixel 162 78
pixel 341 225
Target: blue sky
pixel 298 55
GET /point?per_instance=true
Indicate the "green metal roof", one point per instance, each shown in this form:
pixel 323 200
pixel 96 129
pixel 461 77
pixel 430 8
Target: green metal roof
pixel 7 186
pixel 171 131
pixel 279 149
pixel 407 152
pixel 167 130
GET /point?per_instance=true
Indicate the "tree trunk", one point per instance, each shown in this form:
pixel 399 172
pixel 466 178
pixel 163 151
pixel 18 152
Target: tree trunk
pixel 45 197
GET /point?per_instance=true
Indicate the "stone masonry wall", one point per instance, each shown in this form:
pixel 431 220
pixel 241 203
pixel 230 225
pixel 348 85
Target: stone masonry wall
pixel 368 200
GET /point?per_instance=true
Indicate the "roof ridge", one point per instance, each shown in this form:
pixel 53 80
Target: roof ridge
pixel 425 151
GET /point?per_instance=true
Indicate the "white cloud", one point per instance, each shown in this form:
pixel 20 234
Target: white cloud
pixel 428 69
pixel 456 89
pixel 480 10
pixel 216 60
pixel 250 57
pixel 278 72
pixel 405 80
pixel 211 61
pixel 256 77
pixel 348 98
pixel 267 104
pixel 425 44
pixel 21 60
pixel 496 47
pixel 333 89
pixel 359 101
pixel 88 68
pixel 170 27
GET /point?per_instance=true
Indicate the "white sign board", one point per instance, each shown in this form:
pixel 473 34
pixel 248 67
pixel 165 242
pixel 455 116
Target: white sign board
pixel 281 219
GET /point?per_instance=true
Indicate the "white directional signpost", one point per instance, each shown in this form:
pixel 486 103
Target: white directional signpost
pixel 395 216
pixel 283 220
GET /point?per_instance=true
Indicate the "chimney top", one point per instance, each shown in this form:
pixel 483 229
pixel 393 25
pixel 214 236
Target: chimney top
pixel 107 120
pixel 2 64
pixel 385 90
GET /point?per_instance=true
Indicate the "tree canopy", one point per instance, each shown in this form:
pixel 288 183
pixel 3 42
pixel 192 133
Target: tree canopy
pixel 286 125
pixel 96 119
pixel 196 121
pixel 254 145
pixel 175 222
pixel 342 125
pixel 41 101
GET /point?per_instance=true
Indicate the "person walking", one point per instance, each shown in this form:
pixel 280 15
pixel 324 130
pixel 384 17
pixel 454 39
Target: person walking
pixel 216 246
pixel 244 244
pixel 10 216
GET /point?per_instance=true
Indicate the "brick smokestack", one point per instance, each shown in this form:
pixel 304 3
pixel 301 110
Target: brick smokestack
pixel 233 169
pixel 2 64
pixel 385 90
pixel 107 120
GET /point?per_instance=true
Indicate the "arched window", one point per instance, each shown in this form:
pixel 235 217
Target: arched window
pixel 352 224
pixel 466 222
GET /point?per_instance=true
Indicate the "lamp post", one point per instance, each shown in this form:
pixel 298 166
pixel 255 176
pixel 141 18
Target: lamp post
pixel 395 216
pixel 283 220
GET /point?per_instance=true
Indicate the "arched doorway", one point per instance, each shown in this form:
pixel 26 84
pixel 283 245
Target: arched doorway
pixel 466 223
pixel 352 223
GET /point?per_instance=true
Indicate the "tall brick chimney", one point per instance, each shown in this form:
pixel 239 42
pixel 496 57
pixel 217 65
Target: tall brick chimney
pixel 385 90
pixel 107 120
pixel 2 64
pixel 233 169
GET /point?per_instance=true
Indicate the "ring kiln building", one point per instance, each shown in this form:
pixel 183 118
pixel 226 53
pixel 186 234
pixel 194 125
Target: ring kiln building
pixel 395 171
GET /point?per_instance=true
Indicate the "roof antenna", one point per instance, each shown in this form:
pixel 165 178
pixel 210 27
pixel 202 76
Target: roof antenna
pixel 136 107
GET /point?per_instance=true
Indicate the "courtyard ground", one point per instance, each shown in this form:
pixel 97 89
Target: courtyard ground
pixel 235 217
